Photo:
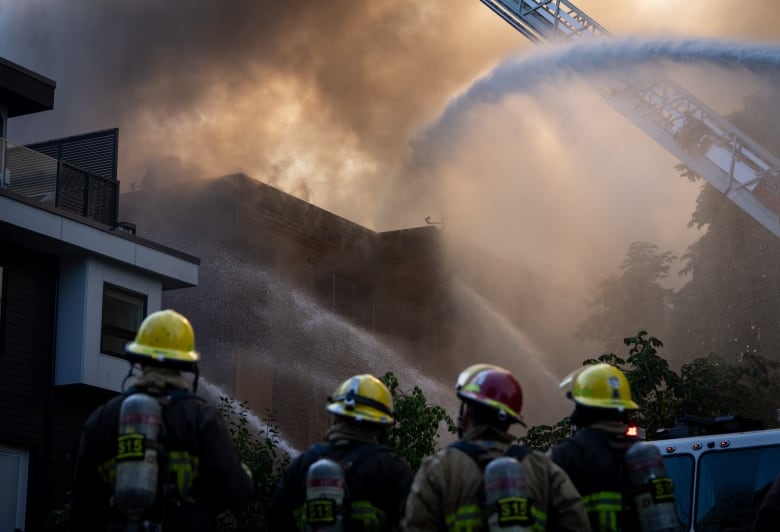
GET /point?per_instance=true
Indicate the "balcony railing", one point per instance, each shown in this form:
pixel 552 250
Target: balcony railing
pixel 57 183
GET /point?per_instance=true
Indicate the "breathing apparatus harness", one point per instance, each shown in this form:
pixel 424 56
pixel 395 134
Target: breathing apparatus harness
pixel 504 499
pixel 330 509
pixel 144 491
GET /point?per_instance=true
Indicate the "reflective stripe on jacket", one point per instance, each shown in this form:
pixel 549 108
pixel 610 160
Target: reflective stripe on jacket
pixel 594 460
pixel 378 484
pixel 447 490
pixel 202 464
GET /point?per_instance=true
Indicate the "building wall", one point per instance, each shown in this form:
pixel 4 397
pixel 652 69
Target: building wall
pixel 26 362
pixel 34 414
pixel 257 243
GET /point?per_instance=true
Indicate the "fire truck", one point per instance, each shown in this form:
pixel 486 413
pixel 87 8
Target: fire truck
pixel 721 469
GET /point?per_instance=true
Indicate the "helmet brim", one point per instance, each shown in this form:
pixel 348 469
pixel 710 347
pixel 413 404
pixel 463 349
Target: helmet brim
pixel 160 356
pixel 361 414
pixel 608 404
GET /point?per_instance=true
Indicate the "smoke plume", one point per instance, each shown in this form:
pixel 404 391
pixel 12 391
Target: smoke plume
pixel 388 112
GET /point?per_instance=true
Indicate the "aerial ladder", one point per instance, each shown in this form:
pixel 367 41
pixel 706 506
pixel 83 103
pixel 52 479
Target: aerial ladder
pixel 704 141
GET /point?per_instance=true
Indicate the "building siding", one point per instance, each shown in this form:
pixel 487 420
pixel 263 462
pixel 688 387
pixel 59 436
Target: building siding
pixel 26 364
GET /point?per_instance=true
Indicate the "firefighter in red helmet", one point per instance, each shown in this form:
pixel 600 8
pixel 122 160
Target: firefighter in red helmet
pixel 449 492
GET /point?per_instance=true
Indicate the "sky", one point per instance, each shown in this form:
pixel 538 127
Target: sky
pixel 388 112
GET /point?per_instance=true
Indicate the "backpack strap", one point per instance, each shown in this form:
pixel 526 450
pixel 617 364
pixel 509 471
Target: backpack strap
pixel 320 450
pixel 360 452
pixel 348 456
pixel 473 450
pixel 477 453
pixel 354 454
pixel 517 451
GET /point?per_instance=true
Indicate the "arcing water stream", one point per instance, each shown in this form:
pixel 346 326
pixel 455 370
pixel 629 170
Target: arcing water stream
pixel 556 65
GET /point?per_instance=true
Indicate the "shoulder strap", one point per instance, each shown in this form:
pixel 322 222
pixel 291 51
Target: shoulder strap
pixel 352 455
pixel 360 452
pixel 476 452
pixel 517 451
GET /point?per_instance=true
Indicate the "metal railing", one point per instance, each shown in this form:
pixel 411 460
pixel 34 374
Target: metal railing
pixel 57 183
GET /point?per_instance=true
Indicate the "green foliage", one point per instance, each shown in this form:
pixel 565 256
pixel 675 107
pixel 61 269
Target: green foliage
pixel 707 387
pixel 652 383
pixel 748 387
pixel 261 452
pixel 607 358
pixel 415 433
pixel 631 300
pixel 59 520
pixel 542 437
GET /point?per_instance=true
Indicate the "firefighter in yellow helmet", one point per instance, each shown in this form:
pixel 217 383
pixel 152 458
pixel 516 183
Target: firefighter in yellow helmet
pixel 594 455
pixel 450 490
pixel 373 479
pixel 157 456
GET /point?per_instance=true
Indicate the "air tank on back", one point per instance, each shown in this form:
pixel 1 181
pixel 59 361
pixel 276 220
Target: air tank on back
pixel 506 495
pixel 652 489
pixel 135 488
pixel 325 497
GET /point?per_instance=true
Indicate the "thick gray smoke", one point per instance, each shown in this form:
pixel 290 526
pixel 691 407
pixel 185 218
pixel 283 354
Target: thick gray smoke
pixel 345 104
pixel 318 98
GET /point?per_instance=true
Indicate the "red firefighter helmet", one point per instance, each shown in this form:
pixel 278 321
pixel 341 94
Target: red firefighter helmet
pixel 466 375
pixel 496 388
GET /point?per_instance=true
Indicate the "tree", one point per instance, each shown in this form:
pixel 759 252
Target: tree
pixel 632 300
pixel 711 387
pixel 730 303
pixel 707 387
pixel 415 432
pixel 652 382
pixel 262 454
pixel 542 437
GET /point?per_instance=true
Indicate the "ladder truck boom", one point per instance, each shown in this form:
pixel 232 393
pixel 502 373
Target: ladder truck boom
pixel 706 142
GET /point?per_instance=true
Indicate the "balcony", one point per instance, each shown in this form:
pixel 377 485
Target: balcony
pixel 55 182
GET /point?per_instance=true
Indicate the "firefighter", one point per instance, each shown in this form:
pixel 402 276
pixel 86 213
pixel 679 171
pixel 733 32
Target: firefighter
pixel 448 492
pixel 594 455
pixel 157 456
pixel 374 479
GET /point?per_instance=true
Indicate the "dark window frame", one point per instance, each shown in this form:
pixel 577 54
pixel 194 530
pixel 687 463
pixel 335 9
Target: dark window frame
pixel 112 331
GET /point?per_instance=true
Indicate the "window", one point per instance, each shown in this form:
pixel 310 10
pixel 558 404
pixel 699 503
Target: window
pixel 123 312
pixel 731 485
pixel 680 469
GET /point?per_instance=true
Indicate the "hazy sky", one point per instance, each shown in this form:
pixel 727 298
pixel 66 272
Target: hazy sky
pixel 323 99
pixel 341 103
